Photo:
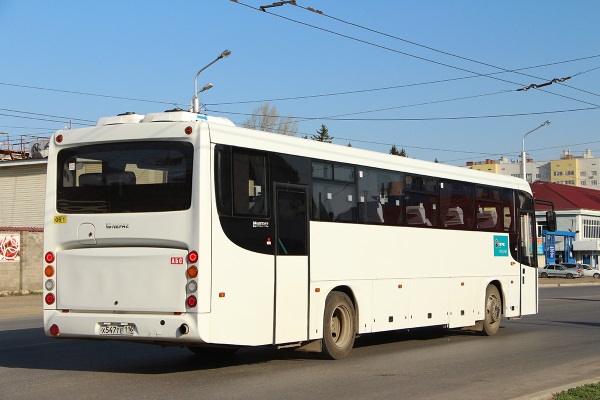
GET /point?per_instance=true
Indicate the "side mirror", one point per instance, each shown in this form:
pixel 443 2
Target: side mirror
pixel 551 221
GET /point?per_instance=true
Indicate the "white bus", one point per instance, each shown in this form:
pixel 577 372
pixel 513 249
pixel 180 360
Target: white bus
pixel 180 229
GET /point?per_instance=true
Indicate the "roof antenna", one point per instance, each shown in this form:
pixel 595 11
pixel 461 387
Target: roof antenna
pixel 195 106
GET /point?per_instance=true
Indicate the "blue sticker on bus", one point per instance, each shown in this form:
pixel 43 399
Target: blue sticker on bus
pixel 500 246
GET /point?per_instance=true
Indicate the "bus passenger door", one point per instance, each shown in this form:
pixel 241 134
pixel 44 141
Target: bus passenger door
pixel 291 264
pixel 528 263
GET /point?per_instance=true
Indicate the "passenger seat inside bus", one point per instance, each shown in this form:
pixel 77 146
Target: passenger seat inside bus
pixel 92 179
pixel 120 178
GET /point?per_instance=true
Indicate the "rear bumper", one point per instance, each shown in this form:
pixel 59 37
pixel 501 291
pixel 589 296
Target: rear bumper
pixel 151 328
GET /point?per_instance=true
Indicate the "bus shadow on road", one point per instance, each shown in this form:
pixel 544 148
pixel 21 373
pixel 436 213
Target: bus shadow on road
pixel 411 335
pixel 30 349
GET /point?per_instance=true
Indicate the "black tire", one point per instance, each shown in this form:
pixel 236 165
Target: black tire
pixel 570 275
pixel 493 311
pixel 339 326
pixel 596 275
pixel 213 353
pixel 544 275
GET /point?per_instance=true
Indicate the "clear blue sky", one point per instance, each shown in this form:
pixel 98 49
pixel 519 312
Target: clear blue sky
pixel 151 50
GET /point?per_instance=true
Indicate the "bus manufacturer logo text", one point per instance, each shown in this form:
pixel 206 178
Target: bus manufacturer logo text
pixel 177 260
pixel 259 224
pixel 116 226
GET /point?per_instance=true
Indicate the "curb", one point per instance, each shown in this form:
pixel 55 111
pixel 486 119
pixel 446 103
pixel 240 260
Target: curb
pixel 547 394
pixel 7 293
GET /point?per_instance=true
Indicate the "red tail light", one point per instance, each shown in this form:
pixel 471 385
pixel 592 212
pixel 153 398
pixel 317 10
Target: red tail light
pixel 54 331
pixel 49 257
pixel 193 257
pixel 50 299
pixel 191 301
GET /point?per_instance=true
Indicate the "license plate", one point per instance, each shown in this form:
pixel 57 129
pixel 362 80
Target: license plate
pixel 116 330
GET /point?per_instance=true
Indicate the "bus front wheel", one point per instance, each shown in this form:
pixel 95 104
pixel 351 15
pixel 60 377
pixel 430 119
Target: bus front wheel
pixel 339 326
pixel 493 311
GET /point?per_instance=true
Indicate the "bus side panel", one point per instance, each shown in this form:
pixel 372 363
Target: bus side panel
pixel 462 298
pixel 429 302
pixel 242 293
pixel 391 304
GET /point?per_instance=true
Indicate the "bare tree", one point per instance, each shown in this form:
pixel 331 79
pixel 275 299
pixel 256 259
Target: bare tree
pixel 266 118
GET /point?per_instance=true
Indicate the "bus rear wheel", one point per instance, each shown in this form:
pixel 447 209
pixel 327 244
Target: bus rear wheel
pixel 493 311
pixel 339 326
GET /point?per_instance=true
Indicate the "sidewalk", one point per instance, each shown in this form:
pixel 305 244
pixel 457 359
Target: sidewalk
pixel 29 304
pixel 585 281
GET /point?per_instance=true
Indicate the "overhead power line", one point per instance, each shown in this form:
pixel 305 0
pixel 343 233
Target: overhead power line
pixel 404 53
pixel 400 86
pixel 429 118
pixel 429 47
pixel 87 94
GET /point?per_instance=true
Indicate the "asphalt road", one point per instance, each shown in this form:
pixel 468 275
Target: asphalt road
pixel 559 346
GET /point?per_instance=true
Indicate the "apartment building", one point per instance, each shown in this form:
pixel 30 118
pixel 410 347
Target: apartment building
pixel 569 169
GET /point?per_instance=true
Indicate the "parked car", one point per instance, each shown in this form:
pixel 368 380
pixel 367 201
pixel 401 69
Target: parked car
pixel 586 270
pixel 574 266
pixel 556 270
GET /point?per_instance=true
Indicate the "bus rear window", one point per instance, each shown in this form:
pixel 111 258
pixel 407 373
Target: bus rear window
pixel 125 177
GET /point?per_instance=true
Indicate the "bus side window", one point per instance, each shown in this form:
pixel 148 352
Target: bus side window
pixel 250 192
pixel 421 201
pixel 490 211
pixel 223 179
pixel 380 197
pixel 334 192
pixel 457 206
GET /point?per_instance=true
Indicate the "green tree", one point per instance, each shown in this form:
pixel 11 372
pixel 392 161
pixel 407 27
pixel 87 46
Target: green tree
pixel 403 153
pixel 266 118
pixel 394 151
pixel 322 135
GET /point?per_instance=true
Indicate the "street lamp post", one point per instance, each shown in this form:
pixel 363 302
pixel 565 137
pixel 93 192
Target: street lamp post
pixel 195 101
pixel 523 154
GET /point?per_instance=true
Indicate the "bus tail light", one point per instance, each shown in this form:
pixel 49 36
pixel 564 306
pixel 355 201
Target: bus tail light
pixel 49 285
pixel 50 299
pixel 192 287
pixel 193 257
pixel 54 331
pixel 49 271
pixel 192 271
pixel 49 257
pixel 191 301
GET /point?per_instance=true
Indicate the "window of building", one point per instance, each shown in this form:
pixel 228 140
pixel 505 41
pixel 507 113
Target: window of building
pixel 594 183
pixel 594 173
pixel 570 173
pixel 583 173
pixel 570 182
pixel 557 173
pixel 591 228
